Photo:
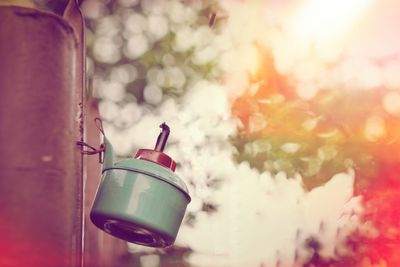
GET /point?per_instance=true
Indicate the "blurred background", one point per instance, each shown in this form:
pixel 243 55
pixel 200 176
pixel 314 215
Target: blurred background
pixel 284 116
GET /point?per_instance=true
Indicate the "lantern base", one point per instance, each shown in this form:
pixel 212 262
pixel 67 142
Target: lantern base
pixel 131 232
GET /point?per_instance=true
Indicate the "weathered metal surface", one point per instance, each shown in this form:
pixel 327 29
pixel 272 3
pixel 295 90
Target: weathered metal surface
pixel 40 166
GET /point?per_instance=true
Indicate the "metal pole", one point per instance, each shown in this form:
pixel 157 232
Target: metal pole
pixel 40 120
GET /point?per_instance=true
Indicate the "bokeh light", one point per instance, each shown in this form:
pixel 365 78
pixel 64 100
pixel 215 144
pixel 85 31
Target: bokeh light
pixel 284 118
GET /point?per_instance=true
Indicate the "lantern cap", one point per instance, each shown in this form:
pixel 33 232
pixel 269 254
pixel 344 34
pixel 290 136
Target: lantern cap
pixel 157 157
pixel 152 162
pixel 152 169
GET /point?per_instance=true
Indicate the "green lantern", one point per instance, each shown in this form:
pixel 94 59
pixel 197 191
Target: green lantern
pixel 141 199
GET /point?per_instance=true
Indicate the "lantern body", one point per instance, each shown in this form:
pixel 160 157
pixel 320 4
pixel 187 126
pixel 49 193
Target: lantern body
pixel 141 202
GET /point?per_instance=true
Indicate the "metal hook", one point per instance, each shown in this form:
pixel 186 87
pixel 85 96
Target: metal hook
pixel 92 150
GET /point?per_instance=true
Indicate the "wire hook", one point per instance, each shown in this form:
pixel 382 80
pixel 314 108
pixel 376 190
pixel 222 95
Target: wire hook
pixel 90 150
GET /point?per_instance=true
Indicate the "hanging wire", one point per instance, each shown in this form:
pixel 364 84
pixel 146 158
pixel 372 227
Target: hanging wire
pixel 99 125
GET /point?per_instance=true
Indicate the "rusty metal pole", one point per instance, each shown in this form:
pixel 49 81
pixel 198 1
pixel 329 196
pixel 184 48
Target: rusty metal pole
pixel 41 81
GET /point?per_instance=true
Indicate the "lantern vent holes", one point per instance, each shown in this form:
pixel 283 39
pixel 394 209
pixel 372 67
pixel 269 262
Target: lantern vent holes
pixel 134 234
